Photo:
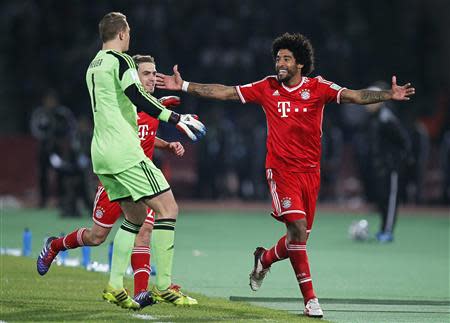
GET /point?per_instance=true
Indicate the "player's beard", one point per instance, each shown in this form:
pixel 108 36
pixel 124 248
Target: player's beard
pixel 286 76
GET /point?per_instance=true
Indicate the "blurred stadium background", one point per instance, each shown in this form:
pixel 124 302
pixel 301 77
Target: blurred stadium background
pixel 47 45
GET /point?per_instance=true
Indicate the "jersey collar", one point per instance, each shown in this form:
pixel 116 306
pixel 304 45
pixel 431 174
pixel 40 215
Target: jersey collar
pixel 291 89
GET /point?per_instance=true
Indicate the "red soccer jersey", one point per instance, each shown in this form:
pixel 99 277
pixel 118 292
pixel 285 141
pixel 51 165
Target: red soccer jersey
pixel 294 119
pixel 147 127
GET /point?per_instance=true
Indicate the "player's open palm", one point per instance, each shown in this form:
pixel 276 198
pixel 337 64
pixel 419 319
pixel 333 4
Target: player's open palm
pixel 401 92
pixel 169 82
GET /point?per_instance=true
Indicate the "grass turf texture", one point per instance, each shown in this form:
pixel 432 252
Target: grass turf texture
pixel 214 256
pixel 73 294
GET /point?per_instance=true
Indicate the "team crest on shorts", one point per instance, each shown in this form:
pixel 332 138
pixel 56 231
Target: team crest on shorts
pixel 304 94
pixel 286 203
pixel 99 213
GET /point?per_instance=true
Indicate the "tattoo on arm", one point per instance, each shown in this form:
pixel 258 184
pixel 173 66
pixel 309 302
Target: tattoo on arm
pixel 368 96
pixel 214 91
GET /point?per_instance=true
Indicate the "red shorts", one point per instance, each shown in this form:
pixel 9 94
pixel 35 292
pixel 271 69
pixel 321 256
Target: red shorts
pixel 106 213
pixel 294 195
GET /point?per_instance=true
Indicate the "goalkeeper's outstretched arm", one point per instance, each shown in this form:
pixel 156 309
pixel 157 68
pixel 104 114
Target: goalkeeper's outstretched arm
pixel 133 89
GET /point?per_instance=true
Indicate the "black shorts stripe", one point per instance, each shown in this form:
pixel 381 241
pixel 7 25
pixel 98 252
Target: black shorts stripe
pixel 152 185
pixel 152 176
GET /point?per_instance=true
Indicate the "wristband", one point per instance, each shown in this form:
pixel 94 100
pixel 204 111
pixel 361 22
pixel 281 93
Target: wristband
pixel 174 118
pixel 184 86
pixel 164 115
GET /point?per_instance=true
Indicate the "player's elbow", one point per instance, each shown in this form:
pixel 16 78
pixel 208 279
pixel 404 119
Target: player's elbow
pixel 229 93
pixel 350 96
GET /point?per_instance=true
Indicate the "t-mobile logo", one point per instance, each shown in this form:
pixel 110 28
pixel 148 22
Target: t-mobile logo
pixel 284 108
pixel 143 131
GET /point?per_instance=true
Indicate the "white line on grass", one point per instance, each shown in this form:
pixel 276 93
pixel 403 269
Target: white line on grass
pixel 147 317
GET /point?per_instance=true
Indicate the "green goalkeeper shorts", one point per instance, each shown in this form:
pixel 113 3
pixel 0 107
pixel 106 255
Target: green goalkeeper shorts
pixel 142 180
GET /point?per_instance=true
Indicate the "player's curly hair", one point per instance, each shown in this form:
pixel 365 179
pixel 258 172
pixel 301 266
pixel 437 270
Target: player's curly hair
pixel 300 46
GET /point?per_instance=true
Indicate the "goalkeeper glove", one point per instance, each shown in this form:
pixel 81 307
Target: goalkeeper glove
pixel 189 125
pixel 170 101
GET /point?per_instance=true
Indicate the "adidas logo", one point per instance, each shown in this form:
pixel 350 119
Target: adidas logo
pixel 275 93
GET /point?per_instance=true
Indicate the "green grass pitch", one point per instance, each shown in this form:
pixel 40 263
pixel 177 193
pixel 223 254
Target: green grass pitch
pixel 406 281
pixel 73 294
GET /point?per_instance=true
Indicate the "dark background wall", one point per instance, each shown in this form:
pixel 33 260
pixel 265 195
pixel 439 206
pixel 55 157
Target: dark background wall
pixel 48 44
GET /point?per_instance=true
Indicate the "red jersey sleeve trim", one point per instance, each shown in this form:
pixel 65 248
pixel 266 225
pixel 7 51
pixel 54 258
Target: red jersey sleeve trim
pixel 238 90
pixel 338 96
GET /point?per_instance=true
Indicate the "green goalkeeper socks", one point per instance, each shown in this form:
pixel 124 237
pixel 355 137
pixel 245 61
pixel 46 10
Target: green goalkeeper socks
pixel 162 251
pixel 123 245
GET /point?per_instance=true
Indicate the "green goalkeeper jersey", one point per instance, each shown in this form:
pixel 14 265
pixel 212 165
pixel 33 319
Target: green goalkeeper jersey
pixel 113 83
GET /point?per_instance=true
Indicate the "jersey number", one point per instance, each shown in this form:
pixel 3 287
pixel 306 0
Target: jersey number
pixel 94 103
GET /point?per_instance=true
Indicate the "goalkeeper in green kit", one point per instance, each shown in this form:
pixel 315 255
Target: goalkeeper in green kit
pixel 128 176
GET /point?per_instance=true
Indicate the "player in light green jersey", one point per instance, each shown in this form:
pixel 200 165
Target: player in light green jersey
pixel 128 176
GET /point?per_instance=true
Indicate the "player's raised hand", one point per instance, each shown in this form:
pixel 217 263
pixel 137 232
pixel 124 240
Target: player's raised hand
pixel 176 148
pixel 191 126
pixel 170 101
pixel 401 92
pixel 172 82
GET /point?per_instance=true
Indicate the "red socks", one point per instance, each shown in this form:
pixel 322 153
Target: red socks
pixel 276 253
pixel 140 262
pixel 299 260
pixel 71 241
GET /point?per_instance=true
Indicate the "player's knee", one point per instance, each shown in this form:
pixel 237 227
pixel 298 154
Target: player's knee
pixel 174 209
pixel 98 238
pixel 297 230
pixel 170 211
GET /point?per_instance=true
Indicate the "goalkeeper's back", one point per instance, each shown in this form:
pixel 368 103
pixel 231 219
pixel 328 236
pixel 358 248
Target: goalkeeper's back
pixel 115 144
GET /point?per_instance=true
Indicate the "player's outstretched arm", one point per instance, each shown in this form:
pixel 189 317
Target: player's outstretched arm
pixel 397 92
pixel 213 91
pixel 129 81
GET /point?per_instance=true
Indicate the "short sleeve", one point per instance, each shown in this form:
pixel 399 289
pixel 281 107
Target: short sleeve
pixel 329 90
pixel 252 92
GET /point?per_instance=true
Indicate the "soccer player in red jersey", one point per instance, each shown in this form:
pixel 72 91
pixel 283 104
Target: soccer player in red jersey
pixel 293 104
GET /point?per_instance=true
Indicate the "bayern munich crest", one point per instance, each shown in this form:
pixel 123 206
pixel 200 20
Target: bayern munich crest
pixel 286 203
pixel 304 94
pixel 99 213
